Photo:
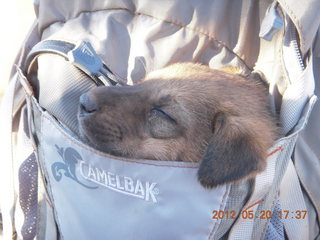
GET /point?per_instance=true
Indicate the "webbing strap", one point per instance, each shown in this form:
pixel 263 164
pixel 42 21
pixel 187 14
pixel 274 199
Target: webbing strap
pixel 6 162
pixel 292 200
pixel 49 46
pixel 82 55
pixel 263 182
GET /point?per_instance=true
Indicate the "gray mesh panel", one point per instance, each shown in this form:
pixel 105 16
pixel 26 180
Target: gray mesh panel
pixel 238 196
pixel 275 229
pixel 28 190
pixel 260 225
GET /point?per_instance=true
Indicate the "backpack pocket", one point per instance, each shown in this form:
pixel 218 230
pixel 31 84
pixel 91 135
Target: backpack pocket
pixel 265 194
pixel 99 196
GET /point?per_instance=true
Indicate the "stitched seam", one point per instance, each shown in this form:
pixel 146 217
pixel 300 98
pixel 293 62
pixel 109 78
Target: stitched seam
pixel 280 148
pixel 310 194
pixel 106 155
pixel 193 29
pixel 124 160
pixel 253 204
pixel 266 224
pixel 215 227
pixel 296 20
pixel 55 213
pixel 196 30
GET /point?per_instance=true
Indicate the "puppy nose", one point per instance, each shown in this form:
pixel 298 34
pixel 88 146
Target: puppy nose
pixel 87 104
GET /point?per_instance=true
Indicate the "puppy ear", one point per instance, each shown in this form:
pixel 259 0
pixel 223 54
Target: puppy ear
pixel 233 152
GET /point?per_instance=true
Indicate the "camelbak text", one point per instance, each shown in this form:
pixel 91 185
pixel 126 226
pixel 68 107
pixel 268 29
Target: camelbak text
pixel 133 187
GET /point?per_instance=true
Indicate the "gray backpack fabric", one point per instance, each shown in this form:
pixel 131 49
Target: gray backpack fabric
pixel 53 186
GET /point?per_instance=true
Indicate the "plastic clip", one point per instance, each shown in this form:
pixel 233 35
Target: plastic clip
pixel 84 57
pixel 271 23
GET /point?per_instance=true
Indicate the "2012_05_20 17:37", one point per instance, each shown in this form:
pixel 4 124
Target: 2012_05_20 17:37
pixel 261 214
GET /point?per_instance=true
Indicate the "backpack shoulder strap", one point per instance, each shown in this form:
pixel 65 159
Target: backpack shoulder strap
pixel 82 55
pixel 8 107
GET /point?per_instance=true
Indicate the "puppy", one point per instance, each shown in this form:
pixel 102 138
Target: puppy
pixel 184 112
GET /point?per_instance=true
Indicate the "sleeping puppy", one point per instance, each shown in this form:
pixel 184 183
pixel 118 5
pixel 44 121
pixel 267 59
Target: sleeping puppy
pixel 184 112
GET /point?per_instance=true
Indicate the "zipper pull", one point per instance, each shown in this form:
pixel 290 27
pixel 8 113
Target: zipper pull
pixel 271 23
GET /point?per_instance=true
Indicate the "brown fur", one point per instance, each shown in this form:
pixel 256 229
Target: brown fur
pixel 184 112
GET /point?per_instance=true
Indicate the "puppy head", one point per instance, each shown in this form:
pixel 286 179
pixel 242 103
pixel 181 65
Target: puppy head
pixel 185 112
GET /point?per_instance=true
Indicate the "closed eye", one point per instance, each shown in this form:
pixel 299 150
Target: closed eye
pixel 157 112
pixel 161 125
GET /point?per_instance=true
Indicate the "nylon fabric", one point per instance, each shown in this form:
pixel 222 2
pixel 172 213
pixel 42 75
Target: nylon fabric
pixel 48 47
pixel 198 36
pixel 64 84
pixel 140 190
pixel 47 226
pixel 26 169
pixel 134 34
pixel 243 227
pixel 28 178
pixel 307 152
pixel 306 19
pixel 263 193
pixel 238 196
pixel 6 165
pixel 291 198
pixel 297 93
pixel 275 229
pixel 281 166
pixel 203 16
pixel 262 221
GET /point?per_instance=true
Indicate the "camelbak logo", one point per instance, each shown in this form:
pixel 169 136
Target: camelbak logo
pixel 67 168
pixel 123 184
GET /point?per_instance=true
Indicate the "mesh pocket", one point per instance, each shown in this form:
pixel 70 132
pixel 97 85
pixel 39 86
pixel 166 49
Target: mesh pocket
pixel 28 190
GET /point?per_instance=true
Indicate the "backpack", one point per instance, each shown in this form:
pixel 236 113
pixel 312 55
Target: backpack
pixel 53 186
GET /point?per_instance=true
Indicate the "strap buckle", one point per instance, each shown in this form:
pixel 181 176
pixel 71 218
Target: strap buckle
pixel 81 55
pixel 85 58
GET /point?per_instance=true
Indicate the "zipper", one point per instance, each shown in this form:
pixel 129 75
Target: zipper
pixel 292 57
pixel 299 88
pixel 295 46
pixel 270 25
